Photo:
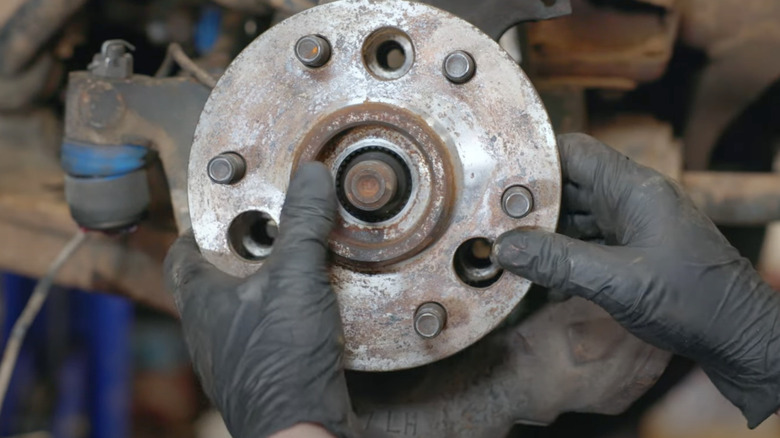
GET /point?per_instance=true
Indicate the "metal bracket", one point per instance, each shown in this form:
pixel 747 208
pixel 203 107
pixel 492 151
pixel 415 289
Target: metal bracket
pixel 494 17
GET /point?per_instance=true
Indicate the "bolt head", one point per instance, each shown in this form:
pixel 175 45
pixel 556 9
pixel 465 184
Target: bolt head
pixel 459 67
pixel 227 168
pixel 518 202
pixel 430 319
pixel 370 185
pixel 313 51
pixel 113 61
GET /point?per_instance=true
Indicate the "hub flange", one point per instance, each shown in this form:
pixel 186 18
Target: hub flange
pixel 421 163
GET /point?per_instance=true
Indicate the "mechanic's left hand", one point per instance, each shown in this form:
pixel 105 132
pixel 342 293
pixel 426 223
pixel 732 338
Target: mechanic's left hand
pixel 268 349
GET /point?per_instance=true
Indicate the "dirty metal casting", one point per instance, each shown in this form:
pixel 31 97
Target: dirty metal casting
pixel 601 46
pixel 420 165
pixel 559 357
pixel 158 114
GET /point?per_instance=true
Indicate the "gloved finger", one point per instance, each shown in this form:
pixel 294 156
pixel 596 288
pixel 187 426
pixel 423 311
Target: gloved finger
pixel 307 219
pixel 559 262
pixel 580 226
pixel 205 298
pixel 614 183
pixel 591 164
pixel 188 273
pixel 576 199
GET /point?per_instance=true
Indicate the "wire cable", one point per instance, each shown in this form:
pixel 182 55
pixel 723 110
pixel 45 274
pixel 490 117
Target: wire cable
pixel 176 53
pixel 31 310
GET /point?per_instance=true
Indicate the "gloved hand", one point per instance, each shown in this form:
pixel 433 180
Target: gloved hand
pixel 268 348
pixel 661 268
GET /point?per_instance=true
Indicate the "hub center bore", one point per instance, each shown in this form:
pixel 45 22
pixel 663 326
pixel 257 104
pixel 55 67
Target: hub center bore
pixel 371 185
pixel 374 184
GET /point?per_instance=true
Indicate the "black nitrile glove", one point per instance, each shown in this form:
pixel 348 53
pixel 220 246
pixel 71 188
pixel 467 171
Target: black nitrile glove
pixel 662 269
pixel 268 349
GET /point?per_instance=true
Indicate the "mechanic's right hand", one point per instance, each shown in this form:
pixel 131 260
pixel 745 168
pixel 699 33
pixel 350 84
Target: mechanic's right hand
pixel 661 268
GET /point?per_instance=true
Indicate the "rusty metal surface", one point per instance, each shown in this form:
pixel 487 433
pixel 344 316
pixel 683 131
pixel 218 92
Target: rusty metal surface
pixel 742 40
pixel 566 357
pixel 158 113
pixel 25 26
pixel 467 143
pixel 725 89
pixel 603 47
pixel 493 17
pixel 337 135
pixel 728 198
pixel 735 198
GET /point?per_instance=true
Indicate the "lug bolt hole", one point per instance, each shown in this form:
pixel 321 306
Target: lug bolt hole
pixel 473 266
pixel 391 56
pixel 251 235
pixel 388 53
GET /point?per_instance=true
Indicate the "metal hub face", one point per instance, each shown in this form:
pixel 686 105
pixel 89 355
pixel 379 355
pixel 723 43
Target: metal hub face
pixel 421 165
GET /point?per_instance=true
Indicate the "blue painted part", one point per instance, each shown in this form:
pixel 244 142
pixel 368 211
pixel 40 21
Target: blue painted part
pixel 91 160
pixel 207 30
pixel 71 396
pixel 110 318
pixel 15 292
pixel 19 390
pixel 96 379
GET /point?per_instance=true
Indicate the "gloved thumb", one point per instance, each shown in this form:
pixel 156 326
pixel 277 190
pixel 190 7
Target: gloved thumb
pixel 307 219
pixel 189 276
pixel 558 262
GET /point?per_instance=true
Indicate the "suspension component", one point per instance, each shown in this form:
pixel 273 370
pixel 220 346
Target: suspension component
pixel 420 168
